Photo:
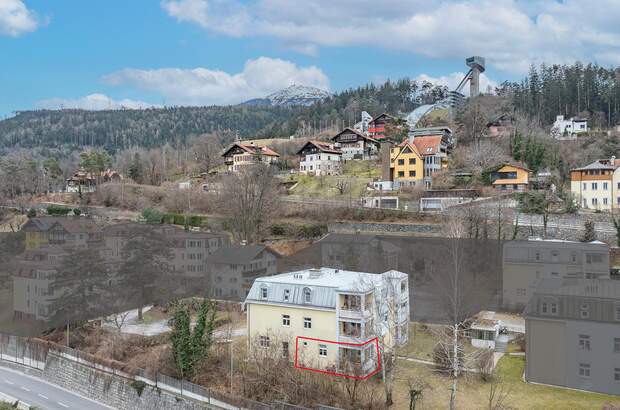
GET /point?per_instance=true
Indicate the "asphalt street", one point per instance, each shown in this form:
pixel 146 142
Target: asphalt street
pixel 38 393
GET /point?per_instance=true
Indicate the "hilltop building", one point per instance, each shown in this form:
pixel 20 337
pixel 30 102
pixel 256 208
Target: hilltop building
pixel 511 177
pixel 377 126
pixel 568 128
pixel 86 182
pixel 240 155
pixel 597 185
pixel 319 158
pixel 327 319
pixel 355 145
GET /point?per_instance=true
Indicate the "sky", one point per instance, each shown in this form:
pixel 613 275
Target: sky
pixel 140 53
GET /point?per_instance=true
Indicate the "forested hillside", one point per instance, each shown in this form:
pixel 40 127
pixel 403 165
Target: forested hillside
pixel 549 90
pixel 120 129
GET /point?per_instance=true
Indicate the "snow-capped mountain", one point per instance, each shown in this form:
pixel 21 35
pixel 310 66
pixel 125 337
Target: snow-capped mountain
pixel 292 95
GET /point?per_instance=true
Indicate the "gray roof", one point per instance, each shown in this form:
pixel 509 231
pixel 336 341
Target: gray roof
pixel 324 285
pixel 239 253
pixel 596 165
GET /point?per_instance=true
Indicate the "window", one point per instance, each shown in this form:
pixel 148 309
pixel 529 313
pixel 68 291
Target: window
pixel 594 258
pixel 584 310
pixel 307 295
pixel 617 345
pixel 594 201
pixel 544 307
pixel 594 186
pixel 554 308
pixel 263 341
pixel 584 342
pixel 401 162
pixel 284 349
pixel 555 256
pixel 537 256
pixel 286 320
pixel 585 186
pixel 573 257
pixel 604 201
pixel 263 293
pixel 323 350
pixel 307 323
pixel 605 186
pixel 584 370
pixel 411 161
pixel 403 287
pixel 521 292
pixel 287 293
pixel 617 375
pixel 617 310
pixel 401 174
pixel 412 173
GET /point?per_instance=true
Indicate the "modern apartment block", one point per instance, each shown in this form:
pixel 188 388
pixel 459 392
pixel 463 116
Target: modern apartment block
pixel 525 263
pixel 327 319
pixel 573 334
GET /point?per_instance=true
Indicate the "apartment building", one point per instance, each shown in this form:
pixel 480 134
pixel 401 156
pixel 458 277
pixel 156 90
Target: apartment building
pixel 573 334
pixel 327 319
pixel 355 145
pixel 511 177
pixel 233 269
pixel 525 263
pixel 240 155
pixel 597 185
pixel 319 158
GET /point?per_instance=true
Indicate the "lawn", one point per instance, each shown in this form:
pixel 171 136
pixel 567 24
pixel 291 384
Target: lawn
pixel 326 186
pixel 422 342
pixel 473 392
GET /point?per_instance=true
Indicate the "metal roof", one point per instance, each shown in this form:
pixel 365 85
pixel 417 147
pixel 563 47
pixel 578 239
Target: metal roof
pixel 324 284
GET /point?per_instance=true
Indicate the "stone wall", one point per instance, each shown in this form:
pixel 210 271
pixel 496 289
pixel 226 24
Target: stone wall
pixel 352 227
pixel 112 390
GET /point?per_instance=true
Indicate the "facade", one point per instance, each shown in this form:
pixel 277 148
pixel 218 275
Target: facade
pixel 319 158
pixel 355 145
pixel 434 151
pixel 573 334
pixel 233 269
pixel 597 185
pixel 568 128
pixel 85 182
pixel 501 125
pixel 376 127
pixel 511 178
pixel 406 165
pixel 70 231
pixel 525 263
pixel 240 155
pixel 326 319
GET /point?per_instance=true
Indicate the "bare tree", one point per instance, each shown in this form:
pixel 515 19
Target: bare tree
pixel 207 152
pixel 342 185
pixel 416 387
pixel 118 320
pixel 456 297
pixel 499 392
pixel 249 200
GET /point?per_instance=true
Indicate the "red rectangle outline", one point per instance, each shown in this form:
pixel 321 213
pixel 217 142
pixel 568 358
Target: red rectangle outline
pixel 348 376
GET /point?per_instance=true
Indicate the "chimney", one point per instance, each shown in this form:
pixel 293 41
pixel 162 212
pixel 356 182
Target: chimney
pixel 243 243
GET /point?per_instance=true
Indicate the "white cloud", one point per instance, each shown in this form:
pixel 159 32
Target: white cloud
pixel 92 102
pixel 452 81
pixel 203 86
pixel 512 34
pixel 16 19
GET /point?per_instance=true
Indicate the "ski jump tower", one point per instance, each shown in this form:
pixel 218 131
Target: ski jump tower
pixel 476 65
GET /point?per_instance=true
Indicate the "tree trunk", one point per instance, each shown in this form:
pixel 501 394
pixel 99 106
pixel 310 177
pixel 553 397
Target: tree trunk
pixel 455 365
pixel 140 316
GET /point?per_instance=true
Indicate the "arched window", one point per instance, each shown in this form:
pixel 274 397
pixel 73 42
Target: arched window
pixel 307 295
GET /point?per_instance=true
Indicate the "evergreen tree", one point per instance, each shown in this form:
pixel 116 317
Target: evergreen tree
pixel 589 234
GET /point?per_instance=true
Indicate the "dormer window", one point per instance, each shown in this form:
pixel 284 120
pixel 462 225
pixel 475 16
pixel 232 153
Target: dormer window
pixel 307 295
pixel 287 294
pixel 263 292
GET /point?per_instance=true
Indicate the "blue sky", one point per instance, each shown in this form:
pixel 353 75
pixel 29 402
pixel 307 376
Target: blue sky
pixel 104 54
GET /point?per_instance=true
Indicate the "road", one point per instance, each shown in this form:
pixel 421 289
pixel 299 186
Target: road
pixel 40 394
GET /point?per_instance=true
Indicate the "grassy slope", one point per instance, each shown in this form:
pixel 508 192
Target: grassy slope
pixel 473 393
pixel 356 173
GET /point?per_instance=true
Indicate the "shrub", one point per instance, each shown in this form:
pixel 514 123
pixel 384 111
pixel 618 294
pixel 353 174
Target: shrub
pixel 32 213
pixel 77 212
pixel 57 210
pixel 152 216
pixel 138 386
pixel 278 229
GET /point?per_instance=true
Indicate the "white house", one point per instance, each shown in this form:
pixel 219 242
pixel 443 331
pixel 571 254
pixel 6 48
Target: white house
pixel 568 128
pixel 319 158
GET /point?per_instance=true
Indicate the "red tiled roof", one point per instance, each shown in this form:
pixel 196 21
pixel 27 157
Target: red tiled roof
pixel 429 145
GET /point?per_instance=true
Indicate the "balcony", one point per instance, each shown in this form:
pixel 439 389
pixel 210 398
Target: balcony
pixel 353 312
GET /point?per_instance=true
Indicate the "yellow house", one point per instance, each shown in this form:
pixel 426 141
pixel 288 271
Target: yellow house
pixel 406 165
pixel 328 319
pixel 511 177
